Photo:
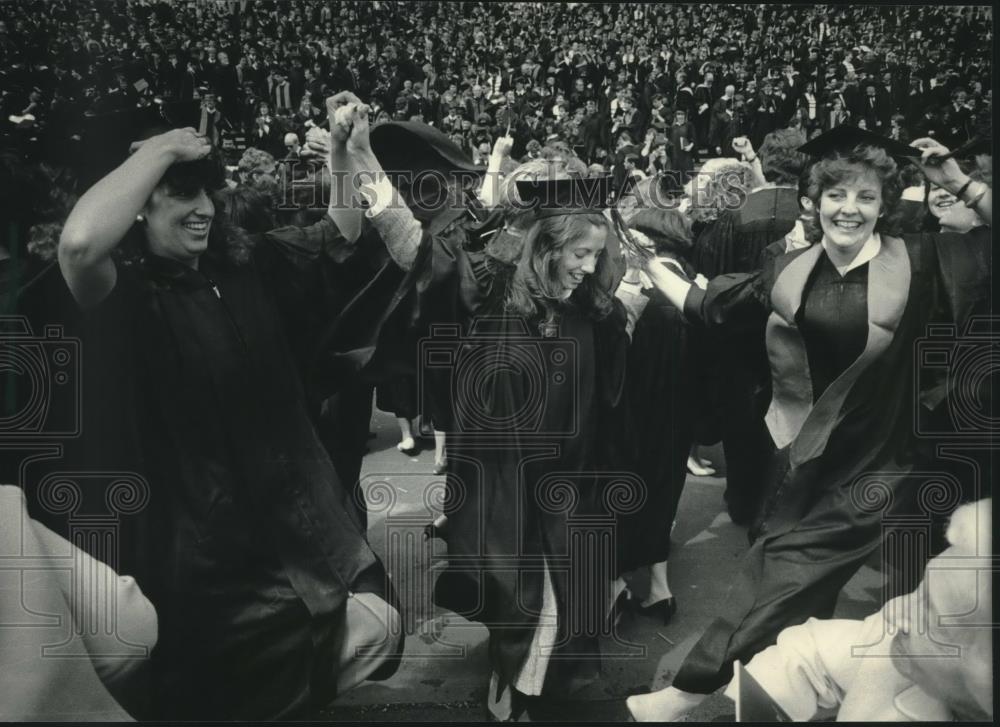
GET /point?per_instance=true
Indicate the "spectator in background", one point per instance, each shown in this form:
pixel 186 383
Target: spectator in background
pixel 292 147
pixel 282 59
pixel 266 133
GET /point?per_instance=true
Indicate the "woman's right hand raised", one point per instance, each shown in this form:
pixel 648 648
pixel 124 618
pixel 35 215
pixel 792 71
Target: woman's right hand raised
pixel 339 112
pixel 502 146
pixel 184 145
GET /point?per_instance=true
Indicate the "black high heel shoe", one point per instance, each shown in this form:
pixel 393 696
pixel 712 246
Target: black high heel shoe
pixel 661 610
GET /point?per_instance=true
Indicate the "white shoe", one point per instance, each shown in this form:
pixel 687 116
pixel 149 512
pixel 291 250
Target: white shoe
pixel 697 469
pixel 666 705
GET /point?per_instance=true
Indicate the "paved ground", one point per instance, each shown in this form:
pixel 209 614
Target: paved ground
pixel 445 671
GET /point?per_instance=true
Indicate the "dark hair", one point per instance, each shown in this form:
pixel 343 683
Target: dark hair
pixel 840 166
pixel 780 159
pixel 803 182
pixel 669 229
pixel 246 208
pixel 188 178
pixel 228 245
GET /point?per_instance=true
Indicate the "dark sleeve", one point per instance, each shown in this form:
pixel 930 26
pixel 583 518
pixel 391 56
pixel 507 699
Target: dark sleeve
pixel 740 300
pixel 714 247
pixel 964 268
pixel 302 246
pixel 453 277
pixel 612 350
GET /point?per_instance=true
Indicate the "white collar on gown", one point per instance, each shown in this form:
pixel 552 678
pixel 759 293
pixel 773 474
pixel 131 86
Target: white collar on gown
pixel 868 251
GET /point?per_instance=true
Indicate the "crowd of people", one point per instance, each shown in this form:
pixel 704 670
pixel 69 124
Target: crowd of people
pixel 602 78
pixel 238 313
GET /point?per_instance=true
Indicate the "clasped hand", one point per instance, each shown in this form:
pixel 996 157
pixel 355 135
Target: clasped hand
pixel 349 125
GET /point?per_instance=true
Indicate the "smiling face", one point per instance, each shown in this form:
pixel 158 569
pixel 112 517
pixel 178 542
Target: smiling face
pixel 940 200
pixel 953 214
pixel 177 224
pixel 850 208
pixel 578 258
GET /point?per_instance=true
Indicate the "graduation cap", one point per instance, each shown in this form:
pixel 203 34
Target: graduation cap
pixel 107 137
pixel 418 158
pixel 844 139
pixel 576 195
pixel 772 210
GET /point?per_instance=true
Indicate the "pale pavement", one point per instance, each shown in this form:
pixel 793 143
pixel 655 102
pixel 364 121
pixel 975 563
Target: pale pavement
pixel 445 671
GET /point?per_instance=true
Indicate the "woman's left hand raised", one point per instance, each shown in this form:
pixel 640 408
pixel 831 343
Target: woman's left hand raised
pixel 359 142
pixel 946 174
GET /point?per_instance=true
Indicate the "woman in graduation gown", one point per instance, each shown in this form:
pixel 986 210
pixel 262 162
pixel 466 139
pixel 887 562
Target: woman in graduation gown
pixel 532 351
pixel 843 319
pixel 657 428
pixel 249 545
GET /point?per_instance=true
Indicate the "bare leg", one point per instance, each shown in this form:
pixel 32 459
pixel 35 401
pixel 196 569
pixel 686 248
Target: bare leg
pixel 405 435
pixel 659 589
pixel 370 634
pixel 440 461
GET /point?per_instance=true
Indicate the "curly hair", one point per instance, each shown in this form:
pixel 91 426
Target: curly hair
pixel 728 184
pixel 840 167
pixel 228 245
pixel 669 230
pixel 780 159
pixel 254 159
pixel 246 208
pixel 535 283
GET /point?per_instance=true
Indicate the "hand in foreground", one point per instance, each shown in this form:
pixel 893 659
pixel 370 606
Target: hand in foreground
pixel 359 142
pixel 946 173
pixel 340 118
pixel 317 143
pixel 503 145
pixel 184 145
pixel 742 145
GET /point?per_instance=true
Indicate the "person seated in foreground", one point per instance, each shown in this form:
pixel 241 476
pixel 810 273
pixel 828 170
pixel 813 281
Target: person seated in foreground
pixel 44 676
pixel 938 640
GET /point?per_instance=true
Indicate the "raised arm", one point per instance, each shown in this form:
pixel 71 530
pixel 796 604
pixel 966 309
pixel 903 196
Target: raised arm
pixel 742 145
pixel 104 214
pixel 343 208
pixel 948 175
pixel 734 300
pixel 395 223
pixel 490 191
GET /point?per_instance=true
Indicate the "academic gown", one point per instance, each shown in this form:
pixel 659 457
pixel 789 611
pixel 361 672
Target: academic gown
pixel 657 428
pixel 248 543
pixel 529 488
pixel 842 415
pixel 735 369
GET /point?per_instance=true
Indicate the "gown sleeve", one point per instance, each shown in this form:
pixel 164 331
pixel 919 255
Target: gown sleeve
pixel 315 276
pixel 738 300
pixel 964 265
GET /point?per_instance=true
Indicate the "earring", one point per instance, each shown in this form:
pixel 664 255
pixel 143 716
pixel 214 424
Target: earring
pixel 140 218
